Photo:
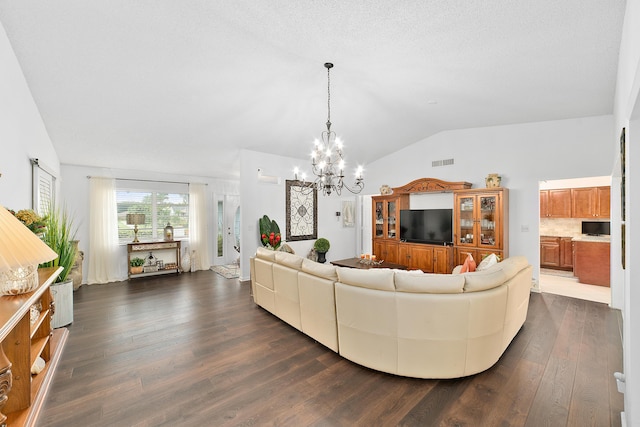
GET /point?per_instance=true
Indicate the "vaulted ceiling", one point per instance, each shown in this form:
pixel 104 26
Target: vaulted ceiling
pixel 183 86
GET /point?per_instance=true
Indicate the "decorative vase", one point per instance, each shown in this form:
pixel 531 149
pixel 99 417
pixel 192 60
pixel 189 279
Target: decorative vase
pixel 321 257
pixel 493 180
pixel 186 262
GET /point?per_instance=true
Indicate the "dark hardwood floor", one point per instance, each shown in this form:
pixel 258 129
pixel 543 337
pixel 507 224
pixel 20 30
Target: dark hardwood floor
pixel 194 350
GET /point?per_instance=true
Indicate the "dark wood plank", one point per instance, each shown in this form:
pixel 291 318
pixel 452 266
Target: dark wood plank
pixel 194 350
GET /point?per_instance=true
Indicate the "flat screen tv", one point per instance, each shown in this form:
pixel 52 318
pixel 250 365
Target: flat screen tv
pixel 432 226
pixel 596 228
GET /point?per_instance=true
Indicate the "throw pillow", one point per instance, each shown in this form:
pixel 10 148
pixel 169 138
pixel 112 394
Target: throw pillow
pixel 487 262
pixel 469 265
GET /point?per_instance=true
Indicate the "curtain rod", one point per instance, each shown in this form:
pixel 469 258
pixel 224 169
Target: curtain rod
pixel 145 180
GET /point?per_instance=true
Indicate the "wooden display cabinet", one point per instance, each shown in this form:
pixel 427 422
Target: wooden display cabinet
pixel 428 258
pixel 480 220
pixel 386 225
pixel 23 339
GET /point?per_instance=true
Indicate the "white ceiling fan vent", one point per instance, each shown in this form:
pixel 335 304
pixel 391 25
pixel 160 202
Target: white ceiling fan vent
pixel 445 162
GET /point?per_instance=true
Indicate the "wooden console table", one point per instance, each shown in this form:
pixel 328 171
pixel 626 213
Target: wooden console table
pixel 171 264
pixel 22 342
pixel 355 263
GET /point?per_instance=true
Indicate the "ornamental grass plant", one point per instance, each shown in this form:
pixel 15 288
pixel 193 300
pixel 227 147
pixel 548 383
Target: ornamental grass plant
pixel 59 235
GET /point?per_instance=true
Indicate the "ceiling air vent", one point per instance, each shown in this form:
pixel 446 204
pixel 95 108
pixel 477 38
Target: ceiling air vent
pixel 445 162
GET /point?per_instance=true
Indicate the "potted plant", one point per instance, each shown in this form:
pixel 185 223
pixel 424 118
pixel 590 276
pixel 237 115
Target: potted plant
pixel 136 265
pixel 321 246
pixel 269 233
pixel 59 235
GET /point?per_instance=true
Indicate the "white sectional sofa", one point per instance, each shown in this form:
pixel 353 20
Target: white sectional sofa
pixel 402 322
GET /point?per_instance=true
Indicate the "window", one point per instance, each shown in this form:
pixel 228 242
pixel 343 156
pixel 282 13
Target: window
pixel 44 183
pixel 220 228
pixel 160 208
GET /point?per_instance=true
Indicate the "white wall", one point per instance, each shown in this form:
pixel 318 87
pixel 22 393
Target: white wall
pixel 522 154
pixel 260 198
pixel 75 196
pixel 627 114
pixel 22 133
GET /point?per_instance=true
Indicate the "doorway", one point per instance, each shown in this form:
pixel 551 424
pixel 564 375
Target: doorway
pixel 561 232
pixel 227 239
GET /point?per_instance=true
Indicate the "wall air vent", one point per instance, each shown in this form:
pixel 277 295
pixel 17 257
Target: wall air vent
pixel 445 162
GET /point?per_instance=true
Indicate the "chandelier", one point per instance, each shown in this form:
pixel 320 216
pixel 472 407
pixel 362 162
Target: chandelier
pixel 327 162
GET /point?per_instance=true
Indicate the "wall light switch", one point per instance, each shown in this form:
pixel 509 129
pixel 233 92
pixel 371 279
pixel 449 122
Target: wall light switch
pixel 524 228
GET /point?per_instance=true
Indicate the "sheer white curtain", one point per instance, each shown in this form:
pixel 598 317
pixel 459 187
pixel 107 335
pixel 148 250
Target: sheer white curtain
pixel 198 230
pixel 105 262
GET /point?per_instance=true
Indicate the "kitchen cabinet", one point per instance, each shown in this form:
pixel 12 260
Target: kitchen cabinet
pixel 566 253
pixel 591 202
pixel 556 252
pixel 555 203
pixel 549 251
pixel 592 262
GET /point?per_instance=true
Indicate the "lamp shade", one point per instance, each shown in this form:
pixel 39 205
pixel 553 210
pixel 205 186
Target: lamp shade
pixel 135 219
pixel 19 246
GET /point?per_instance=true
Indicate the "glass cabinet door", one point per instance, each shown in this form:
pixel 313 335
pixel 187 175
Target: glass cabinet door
pixel 391 219
pixel 466 221
pixel 487 221
pixel 379 221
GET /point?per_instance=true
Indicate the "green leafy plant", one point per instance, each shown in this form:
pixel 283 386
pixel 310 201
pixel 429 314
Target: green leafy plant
pixel 136 262
pixel 269 233
pixel 321 245
pixel 59 235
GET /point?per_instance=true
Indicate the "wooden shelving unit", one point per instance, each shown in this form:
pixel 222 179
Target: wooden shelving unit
pixel 22 343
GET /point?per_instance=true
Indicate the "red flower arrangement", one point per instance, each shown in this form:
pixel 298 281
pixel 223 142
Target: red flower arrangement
pixel 273 239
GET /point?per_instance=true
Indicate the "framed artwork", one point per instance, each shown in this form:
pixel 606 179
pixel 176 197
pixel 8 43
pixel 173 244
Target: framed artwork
pixel 302 210
pixel 348 214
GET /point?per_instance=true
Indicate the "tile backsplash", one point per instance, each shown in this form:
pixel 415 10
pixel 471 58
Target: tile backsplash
pixel 561 227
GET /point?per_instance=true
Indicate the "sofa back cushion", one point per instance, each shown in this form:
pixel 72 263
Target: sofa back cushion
pixel 373 278
pixel 289 260
pixel 429 283
pixel 265 253
pixel 482 280
pixel 512 265
pixel 326 271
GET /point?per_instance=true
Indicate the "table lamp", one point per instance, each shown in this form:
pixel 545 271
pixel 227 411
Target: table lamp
pixel 135 220
pixel 21 251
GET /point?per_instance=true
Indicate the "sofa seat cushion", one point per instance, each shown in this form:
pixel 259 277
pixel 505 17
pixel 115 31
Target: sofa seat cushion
pixel 289 260
pixel 429 283
pixel 373 278
pixel 326 271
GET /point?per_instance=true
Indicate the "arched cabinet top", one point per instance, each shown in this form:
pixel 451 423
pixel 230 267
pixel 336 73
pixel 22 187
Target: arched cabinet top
pixel 430 185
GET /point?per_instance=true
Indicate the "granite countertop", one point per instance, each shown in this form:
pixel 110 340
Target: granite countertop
pixel 586 238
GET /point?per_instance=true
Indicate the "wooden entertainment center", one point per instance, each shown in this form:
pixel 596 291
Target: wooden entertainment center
pixel 480 218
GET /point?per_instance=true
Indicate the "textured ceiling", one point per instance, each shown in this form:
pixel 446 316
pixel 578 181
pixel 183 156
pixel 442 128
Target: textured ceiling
pixel 186 84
